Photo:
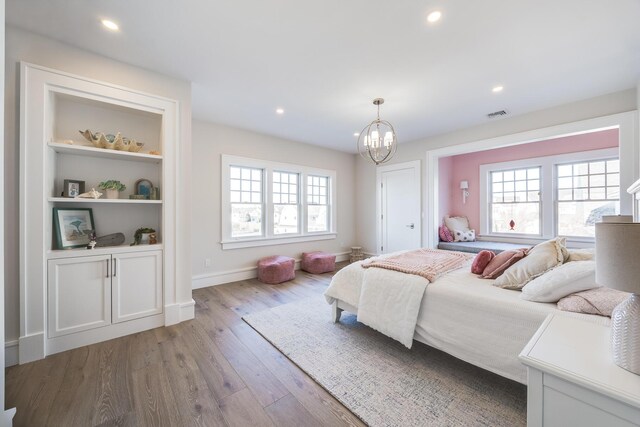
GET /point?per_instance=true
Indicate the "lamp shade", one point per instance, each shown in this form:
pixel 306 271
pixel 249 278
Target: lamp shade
pixel 617 261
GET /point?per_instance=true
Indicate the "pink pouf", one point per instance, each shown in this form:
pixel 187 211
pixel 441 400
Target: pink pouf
pixel 318 262
pixel 276 269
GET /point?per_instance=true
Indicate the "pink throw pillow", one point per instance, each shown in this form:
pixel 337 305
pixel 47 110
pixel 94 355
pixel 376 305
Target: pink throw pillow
pixel 445 234
pixel 502 261
pixel 481 261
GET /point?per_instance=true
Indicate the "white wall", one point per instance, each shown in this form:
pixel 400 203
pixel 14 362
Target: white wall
pixel 212 140
pixel 595 107
pixel 26 46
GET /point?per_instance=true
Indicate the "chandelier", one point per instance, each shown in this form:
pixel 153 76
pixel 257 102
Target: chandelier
pixel 377 141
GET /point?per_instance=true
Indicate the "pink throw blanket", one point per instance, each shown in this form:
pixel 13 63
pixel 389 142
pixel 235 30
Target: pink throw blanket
pixel 427 263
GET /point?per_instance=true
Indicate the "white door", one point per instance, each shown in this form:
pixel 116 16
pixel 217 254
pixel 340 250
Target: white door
pixel 399 187
pixel 79 294
pixel 137 285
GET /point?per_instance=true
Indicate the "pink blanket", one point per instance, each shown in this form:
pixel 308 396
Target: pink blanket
pixel 427 263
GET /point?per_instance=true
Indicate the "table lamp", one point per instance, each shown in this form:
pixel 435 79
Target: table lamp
pixel 618 267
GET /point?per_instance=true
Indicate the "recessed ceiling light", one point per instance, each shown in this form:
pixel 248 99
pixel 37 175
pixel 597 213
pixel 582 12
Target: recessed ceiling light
pixel 279 111
pixel 110 25
pixel 356 134
pixel 434 16
pixel 497 89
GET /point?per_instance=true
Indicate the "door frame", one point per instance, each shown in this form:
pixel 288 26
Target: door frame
pixel 413 164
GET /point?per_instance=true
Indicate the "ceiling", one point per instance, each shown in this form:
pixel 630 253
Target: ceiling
pixel 323 62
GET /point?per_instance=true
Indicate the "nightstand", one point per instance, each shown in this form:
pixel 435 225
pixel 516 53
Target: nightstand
pixel 572 380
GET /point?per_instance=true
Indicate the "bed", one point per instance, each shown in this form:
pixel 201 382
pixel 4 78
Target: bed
pixel 462 315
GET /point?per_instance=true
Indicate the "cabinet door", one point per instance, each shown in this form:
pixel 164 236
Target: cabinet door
pixel 137 285
pixel 79 294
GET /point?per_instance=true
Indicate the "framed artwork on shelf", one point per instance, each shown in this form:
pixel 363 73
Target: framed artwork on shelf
pixel 73 227
pixel 144 188
pixel 72 188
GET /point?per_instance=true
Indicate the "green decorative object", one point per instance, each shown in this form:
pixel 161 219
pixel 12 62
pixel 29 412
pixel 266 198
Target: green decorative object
pixel 112 184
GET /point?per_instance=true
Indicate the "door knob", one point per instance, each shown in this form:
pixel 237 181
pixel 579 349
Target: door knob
pixel 411 226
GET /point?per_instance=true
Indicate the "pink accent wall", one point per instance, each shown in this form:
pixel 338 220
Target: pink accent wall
pixel 454 169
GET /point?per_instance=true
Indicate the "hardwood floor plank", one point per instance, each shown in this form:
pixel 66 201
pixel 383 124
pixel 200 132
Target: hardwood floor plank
pixel 288 412
pixel 196 404
pixel 113 397
pixel 241 409
pixel 144 350
pixel 218 373
pixel 153 403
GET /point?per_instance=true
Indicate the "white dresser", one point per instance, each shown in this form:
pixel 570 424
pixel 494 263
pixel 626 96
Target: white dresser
pixel 572 380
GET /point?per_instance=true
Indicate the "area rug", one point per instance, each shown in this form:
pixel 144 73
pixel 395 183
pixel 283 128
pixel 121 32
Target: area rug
pixel 381 381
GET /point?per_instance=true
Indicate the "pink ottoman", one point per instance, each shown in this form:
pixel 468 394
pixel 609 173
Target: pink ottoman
pixel 276 269
pixel 318 262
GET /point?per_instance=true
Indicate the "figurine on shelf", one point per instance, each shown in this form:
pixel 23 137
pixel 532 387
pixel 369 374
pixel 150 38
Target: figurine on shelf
pixel 153 239
pixel 93 194
pixel 93 240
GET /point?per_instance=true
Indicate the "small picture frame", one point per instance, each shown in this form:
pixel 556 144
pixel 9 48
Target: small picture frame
pixel 72 227
pixel 72 188
pixel 144 188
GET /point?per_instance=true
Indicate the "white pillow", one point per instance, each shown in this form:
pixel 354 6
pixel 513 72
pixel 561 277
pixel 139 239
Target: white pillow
pixel 588 254
pixel 456 223
pixel 540 259
pixel 564 280
pixel 463 235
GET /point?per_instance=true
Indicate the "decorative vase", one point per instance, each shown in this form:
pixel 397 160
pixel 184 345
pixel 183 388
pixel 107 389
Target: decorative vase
pixel 144 238
pixel 113 193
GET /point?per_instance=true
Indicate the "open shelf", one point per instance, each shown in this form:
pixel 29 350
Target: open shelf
pixel 123 201
pixel 85 150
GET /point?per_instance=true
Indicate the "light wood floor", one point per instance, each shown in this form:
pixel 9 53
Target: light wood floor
pixel 213 371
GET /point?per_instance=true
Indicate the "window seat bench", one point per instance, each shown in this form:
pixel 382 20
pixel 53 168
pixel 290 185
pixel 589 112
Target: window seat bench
pixel 477 246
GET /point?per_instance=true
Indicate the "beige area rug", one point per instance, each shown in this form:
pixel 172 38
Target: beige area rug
pixel 382 382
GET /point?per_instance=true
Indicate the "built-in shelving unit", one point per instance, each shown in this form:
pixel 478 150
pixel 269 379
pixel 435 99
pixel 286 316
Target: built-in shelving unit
pixel 75 297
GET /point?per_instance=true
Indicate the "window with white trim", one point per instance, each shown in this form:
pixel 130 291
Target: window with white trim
pixel 561 195
pixel 317 203
pixel 246 201
pixel 266 203
pixel 286 207
pixel 585 192
pixel 515 200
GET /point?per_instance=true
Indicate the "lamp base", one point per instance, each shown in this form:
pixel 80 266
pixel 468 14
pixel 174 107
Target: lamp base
pixel 625 334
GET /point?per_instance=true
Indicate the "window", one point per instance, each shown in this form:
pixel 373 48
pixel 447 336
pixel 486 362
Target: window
pixel 561 195
pixel 515 201
pixel 266 203
pixel 285 203
pixel 246 201
pixel 585 192
pixel 317 203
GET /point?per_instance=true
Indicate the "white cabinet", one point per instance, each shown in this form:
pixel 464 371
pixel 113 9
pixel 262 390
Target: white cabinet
pixel 572 380
pixel 82 279
pixel 88 292
pixel 136 285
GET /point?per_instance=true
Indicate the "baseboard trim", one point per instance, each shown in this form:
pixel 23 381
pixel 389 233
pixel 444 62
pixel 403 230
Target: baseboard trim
pixel 10 353
pixel 222 277
pixel 31 348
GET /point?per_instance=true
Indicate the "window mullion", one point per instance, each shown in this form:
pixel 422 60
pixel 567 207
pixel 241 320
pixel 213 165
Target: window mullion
pixel 268 203
pixel 548 205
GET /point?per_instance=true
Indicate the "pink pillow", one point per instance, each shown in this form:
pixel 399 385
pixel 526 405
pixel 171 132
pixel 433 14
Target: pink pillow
pixel 502 261
pixel 445 234
pixel 481 261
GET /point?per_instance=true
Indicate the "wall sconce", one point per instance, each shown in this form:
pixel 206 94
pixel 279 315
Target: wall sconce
pixel 464 186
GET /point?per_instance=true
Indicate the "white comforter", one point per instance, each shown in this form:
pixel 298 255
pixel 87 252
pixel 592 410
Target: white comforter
pixel 464 316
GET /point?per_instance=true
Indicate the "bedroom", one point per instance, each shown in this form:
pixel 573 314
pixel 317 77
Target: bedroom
pixel 263 82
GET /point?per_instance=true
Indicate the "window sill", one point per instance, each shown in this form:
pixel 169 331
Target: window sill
pixel 573 242
pixel 271 241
